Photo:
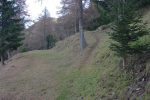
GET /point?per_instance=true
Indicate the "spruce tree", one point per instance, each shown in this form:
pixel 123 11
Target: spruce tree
pixel 128 29
pixel 11 25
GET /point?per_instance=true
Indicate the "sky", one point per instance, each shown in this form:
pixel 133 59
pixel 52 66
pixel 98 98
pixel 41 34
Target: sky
pixel 35 8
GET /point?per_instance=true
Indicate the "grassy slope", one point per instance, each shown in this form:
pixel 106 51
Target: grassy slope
pixel 62 74
pixel 146 19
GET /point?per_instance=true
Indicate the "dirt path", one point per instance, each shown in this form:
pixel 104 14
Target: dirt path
pixel 86 57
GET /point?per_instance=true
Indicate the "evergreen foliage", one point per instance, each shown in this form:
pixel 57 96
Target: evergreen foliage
pixel 143 3
pixel 51 40
pixel 127 31
pixel 11 25
pixel 105 13
pixel 106 10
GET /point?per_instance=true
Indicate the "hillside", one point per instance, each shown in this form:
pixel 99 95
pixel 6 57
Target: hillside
pixel 63 74
pixel 35 37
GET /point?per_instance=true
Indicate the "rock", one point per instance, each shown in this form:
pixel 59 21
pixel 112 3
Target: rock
pixel 138 89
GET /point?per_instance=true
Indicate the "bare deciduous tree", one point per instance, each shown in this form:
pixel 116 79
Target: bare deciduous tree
pixel 82 38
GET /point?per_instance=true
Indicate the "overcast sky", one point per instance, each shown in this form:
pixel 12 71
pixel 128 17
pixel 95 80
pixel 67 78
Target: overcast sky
pixel 35 8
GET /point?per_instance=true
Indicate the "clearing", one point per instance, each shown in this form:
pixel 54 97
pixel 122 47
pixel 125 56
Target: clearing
pixel 63 74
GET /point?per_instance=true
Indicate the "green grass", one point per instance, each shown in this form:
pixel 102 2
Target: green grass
pixel 56 74
pixel 100 80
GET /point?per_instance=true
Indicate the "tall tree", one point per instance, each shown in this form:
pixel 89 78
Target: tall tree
pixel 82 38
pixel 46 20
pixel 70 15
pixel 127 31
pixel 11 23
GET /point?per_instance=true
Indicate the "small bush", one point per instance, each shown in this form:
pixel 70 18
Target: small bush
pixel 51 40
pixel 23 49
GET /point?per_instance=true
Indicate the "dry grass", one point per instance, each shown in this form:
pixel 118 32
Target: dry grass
pixel 37 74
pixel 63 74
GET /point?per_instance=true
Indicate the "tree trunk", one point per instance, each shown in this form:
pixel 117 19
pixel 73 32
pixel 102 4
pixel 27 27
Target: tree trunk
pixel 76 17
pixel 2 60
pixel 82 38
pixel 8 54
pixel 44 30
pixel 124 64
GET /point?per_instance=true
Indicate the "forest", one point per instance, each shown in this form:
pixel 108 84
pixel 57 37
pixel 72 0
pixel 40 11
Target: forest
pixel 93 50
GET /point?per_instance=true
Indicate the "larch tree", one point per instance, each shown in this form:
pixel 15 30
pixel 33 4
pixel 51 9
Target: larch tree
pixel 69 13
pixel 46 20
pixel 75 9
pixel 81 31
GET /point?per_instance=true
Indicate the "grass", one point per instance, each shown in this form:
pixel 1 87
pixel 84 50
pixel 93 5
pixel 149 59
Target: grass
pixel 100 80
pixel 56 74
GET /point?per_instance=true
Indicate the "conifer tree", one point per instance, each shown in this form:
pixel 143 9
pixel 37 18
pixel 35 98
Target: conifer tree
pixel 128 29
pixel 11 25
